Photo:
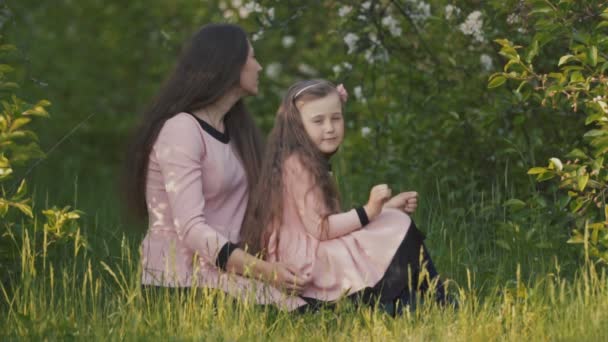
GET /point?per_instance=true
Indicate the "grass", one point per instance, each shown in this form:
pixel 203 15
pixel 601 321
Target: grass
pixel 78 302
pixel 516 293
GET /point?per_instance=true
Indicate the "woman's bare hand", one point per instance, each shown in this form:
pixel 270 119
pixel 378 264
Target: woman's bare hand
pixel 285 277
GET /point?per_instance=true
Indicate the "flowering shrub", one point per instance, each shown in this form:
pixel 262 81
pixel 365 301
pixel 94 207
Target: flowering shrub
pixel 574 82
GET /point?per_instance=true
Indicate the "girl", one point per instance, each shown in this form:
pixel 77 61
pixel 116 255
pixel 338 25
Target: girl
pixel 370 253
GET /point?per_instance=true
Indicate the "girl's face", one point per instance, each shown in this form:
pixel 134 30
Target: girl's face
pixel 249 74
pixel 323 121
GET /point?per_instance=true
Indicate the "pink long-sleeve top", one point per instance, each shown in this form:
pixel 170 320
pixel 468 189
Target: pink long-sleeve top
pixel 196 192
pixel 345 257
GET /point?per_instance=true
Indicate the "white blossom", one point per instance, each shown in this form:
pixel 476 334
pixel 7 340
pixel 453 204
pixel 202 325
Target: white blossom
pixel 258 35
pixel 365 131
pixel 473 26
pixel 393 25
pixel 486 62
pixel 344 11
pixel 358 92
pixel 557 163
pixel 307 69
pixel 236 3
pixel 243 12
pixel 380 55
pixel 366 5
pixel 368 55
pixel 513 18
pixel 228 14
pixel 420 10
pixel 351 41
pixel 270 13
pixel 373 38
pixel 347 66
pixel 273 70
pixel 288 41
pixel 451 11
pixel 253 6
pixel 337 69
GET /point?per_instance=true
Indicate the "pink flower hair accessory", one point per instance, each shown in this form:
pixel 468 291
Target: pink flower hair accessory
pixel 342 92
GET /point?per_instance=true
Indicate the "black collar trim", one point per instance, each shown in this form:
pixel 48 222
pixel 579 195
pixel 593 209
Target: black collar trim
pixel 221 137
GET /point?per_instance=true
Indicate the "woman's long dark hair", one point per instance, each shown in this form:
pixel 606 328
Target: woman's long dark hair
pixel 288 138
pixel 209 66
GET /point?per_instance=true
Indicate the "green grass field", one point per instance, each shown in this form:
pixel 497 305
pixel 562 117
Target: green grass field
pixel 516 293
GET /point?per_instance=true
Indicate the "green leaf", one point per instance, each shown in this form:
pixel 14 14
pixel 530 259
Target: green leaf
pixel 577 77
pixel 497 82
pixel 582 181
pixel 533 52
pixel 5 172
pixel 18 123
pixel 541 10
pixel 597 116
pixel 5 68
pixel 545 176
pixel 24 208
pixel 515 204
pixel 503 42
pixel 602 25
pixel 577 153
pixel 537 170
pixel 37 110
pixel 510 53
pixel 577 238
pixel 592 55
pixel 565 59
pixel 595 133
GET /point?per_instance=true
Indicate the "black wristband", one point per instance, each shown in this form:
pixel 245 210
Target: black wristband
pixel 362 216
pixel 224 254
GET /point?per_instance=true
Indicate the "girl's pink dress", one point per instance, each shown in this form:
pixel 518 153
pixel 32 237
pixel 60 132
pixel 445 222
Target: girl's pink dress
pixel 197 194
pixel 350 257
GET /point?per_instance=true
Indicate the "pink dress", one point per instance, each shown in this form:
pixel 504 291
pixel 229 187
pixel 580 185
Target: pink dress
pixel 197 194
pixel 345 260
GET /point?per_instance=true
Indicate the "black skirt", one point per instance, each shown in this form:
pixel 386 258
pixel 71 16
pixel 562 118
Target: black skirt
pixel 400 276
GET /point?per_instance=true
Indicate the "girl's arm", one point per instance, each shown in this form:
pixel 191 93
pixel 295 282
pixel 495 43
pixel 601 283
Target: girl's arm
pixel 310 205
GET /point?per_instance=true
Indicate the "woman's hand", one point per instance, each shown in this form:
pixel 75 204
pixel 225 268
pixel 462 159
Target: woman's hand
pixel 377 197
pixel 284 277
pixel 405 201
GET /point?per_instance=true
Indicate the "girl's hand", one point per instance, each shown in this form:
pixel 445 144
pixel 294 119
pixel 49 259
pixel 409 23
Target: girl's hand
pixel 377 197
pixel 282 276
pixel 405 201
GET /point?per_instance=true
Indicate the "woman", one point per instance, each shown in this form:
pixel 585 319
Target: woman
pixel 193 158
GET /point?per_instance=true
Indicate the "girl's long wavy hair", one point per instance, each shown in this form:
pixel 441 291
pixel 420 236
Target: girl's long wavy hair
pixel 288 137
pixel 209 67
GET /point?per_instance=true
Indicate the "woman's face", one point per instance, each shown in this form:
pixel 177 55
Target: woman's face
pixel 323 121
pixel 249 74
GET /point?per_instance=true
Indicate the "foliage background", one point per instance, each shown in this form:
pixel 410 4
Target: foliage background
pixel 420 117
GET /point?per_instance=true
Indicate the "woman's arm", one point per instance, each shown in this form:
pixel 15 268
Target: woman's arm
pixel 178 150
pixel 277 274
